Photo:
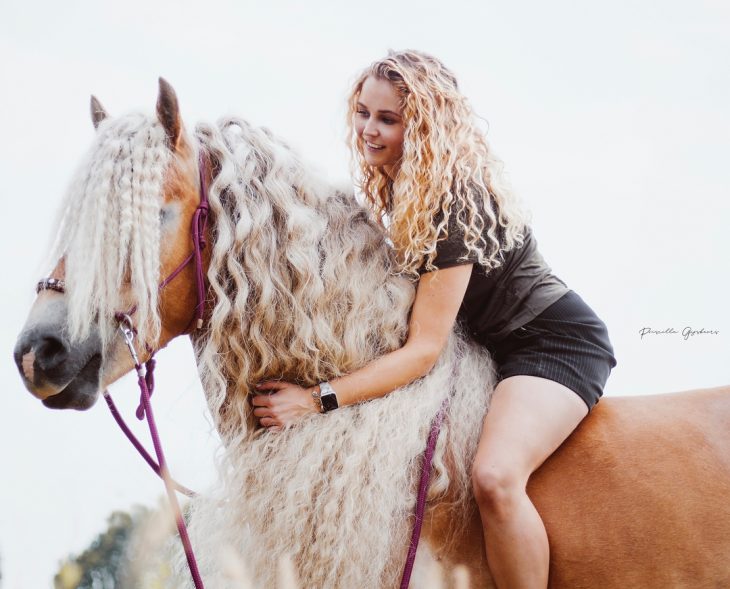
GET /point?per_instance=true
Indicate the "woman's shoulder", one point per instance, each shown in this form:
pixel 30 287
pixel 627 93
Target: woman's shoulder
pixel 451 237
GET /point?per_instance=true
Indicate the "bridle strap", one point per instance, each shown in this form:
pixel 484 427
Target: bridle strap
pixel 51 284
pixel 200 222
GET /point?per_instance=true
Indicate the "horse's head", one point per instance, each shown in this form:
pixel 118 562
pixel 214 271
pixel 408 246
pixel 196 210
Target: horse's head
pixel 125 226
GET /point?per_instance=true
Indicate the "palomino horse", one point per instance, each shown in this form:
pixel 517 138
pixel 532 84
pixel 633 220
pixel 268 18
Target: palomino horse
pixel 300 286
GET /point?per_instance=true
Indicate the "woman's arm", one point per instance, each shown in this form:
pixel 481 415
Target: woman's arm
pixel 438 297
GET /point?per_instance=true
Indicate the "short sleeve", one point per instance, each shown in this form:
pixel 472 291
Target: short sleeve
pixel 450 251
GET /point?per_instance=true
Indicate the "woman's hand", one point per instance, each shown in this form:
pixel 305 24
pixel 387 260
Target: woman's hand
pixel 284 406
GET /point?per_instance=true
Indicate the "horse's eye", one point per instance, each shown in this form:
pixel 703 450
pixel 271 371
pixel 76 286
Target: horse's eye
pixel 169 212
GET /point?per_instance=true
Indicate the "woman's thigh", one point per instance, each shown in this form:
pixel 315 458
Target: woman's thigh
pixel 528 418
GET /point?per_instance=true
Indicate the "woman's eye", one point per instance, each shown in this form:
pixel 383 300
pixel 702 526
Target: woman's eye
pixel 362 113
pixel 389 121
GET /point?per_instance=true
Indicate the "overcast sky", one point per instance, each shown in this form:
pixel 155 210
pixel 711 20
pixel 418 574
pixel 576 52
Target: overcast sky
pixel 612 120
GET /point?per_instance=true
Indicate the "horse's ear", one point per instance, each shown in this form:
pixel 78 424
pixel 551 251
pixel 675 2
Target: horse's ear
pixel 168 112
pixel 98 113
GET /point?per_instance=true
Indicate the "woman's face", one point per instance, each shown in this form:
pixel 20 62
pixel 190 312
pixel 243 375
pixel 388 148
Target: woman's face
pixel 379 123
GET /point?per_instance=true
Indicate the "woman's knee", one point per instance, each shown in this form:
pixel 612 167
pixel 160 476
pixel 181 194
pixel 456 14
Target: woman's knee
pixel 496 487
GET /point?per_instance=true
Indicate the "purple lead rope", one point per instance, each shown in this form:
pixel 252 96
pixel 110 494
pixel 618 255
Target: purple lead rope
pixel 145 380
pixel 422 490
pixel 165 475
pixel 146 385
pixel 137 444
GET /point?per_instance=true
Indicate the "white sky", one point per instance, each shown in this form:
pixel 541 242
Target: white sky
pixel 612 120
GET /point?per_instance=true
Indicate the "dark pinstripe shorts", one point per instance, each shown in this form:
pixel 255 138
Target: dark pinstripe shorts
pixel 566 343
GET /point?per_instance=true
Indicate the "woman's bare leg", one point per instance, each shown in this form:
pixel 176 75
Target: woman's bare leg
pixel 529 417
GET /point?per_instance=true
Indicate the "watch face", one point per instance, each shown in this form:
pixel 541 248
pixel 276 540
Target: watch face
pixel 329 402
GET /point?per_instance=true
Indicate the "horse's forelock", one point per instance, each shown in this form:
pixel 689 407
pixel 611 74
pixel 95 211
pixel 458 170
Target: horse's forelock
pixel 110 228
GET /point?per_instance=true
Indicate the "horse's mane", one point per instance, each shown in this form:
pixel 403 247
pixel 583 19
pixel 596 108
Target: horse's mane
pixel 302 279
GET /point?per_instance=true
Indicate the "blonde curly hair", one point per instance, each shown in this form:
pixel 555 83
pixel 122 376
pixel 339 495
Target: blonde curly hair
pixel 447 168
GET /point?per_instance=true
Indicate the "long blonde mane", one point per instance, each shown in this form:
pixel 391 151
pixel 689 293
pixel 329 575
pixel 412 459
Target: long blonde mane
pixel 301 275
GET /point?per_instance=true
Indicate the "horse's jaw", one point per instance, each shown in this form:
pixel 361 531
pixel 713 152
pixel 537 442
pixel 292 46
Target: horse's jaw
pixel 82 392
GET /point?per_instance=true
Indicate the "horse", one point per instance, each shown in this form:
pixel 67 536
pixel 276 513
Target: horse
pixel 301 284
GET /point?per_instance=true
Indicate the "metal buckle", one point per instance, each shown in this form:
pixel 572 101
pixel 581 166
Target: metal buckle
pixel 127 328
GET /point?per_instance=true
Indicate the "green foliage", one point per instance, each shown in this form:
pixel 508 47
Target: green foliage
pixel 102 565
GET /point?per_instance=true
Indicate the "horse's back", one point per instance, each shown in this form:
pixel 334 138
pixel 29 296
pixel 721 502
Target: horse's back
pixel 639 494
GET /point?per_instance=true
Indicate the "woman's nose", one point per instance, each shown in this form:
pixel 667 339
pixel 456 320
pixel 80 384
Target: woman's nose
pixel 370 129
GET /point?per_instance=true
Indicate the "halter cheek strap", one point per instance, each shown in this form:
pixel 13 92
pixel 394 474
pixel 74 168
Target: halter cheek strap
pixel 200 222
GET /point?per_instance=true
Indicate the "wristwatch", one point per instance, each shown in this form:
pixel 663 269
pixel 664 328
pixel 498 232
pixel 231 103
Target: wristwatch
pixel 326 397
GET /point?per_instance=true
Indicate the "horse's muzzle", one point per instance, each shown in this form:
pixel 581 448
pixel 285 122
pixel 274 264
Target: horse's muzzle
pixel 62 373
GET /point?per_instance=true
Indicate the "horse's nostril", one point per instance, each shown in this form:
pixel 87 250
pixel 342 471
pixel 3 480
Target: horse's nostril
pixel 50 352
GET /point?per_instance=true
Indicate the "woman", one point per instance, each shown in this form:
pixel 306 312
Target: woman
pixel 429 175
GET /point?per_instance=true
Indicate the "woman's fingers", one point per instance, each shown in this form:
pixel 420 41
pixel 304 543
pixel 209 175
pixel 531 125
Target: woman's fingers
pixel 261 400
pixel 273 385
pixel 278 404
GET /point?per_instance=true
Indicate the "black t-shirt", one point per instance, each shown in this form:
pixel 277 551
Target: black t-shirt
pixel 499 300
